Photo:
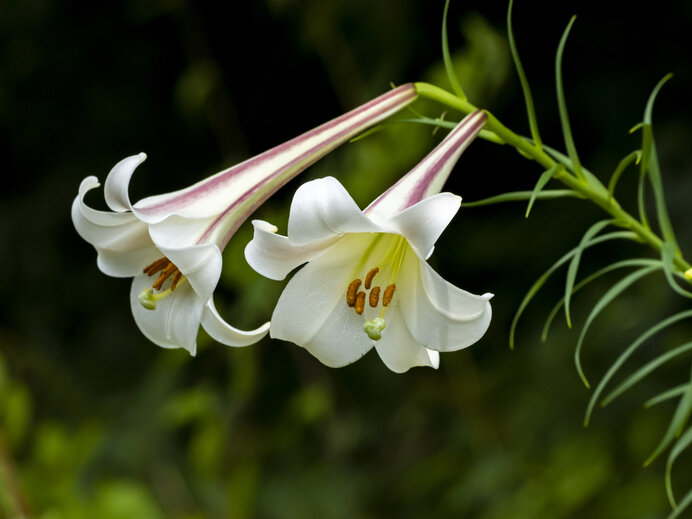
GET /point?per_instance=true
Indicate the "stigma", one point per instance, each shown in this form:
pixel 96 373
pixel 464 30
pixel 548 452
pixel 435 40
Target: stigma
pixel 370 295
pixel 166 270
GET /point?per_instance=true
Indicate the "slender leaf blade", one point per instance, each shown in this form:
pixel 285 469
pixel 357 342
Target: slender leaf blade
pixel 447 58
pixel 622 358
pixel 635 262
pixel 562 104
pixel 526 89
pixel 646 369
pixel 546 275
pixel 604 301
pixel 518 196
pixel 574 264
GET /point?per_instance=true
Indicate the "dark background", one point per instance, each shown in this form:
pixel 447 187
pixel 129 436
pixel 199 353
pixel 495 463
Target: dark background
pixel 98 422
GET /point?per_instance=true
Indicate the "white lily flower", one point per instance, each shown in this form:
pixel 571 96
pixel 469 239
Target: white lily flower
pixel 366 282
pixel 178 237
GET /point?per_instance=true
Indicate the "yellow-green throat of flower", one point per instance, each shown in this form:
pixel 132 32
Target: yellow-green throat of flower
pixel 356 298
pixel 166 270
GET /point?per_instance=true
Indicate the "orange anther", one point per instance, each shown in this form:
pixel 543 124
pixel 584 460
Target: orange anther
pixel 388 294
pixel 351 292
pixel 374 296
pixel 369 276
pixel 360 303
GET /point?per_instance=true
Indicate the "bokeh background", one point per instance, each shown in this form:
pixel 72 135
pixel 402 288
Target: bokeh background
pixel 95 421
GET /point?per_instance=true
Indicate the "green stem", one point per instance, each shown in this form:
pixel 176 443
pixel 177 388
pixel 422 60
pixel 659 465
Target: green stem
pixel 597 194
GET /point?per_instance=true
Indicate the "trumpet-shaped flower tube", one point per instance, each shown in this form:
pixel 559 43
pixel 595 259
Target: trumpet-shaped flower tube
pixel 171 243
pixel 366 282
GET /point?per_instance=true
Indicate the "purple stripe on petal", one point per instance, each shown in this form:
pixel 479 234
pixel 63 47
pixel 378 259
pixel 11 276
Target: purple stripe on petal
pixel 280 177
pixel 430 168
pixel 390 101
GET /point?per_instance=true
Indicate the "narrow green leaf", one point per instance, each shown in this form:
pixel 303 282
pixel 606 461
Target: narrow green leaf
pixel 642 372
pixel 682 414
pixel 528 99
pixel 567 162
pixel 518 196
pixel 648 111
pixel 370 131
pixel 686 502
pixel 574 264
pixel 542 181
pixel 666 395
pixel 546 275
pixel 447 58
pixel 449 125
pixel 667 253
pixel 622 166
pixel 562 104
pixel 606 299
pixel 641 202
pixel 649 164
pixel 659 198
pixel 627 353
pixel 636 262
pixel 683 443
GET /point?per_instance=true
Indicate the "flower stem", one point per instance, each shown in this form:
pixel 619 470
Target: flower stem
pixel 588 186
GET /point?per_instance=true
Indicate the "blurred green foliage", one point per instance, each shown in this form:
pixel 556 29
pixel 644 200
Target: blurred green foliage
pixel 97 422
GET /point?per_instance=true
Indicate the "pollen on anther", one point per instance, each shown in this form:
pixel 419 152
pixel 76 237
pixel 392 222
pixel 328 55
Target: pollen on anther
pixel 165 274
pixel 374 296
pixel 388 294
pixel 156 266
pixel 352 291
pixel 176 280
pixel 369 276
pixel 360 303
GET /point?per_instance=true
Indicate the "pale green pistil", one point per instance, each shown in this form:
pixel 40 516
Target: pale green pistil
pixel 166 270
pixel 374 328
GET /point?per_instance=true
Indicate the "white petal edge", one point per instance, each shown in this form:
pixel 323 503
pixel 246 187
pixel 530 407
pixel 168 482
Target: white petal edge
pixel 118 181
pixel 201 264
pixel 439 315
pixel 273 256
pixel 175 322
pixel 323 208
pixel 222 332
pixel 399 350
pixel 423 223
pixel 312 310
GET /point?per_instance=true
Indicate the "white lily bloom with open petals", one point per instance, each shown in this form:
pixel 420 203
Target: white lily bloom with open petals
pixel 171 244
pixel 366 282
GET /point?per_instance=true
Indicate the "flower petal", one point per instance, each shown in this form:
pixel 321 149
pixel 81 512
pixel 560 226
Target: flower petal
pixel 175 322
pixel 430 174
pixel 399 350
pixel 257 178
pixel 118 180
pixel 312 310
pixel 122 242
pixel 119 264
pixel 423 223
pixel 176 232
pixel 439 315
pixel 222 332
pixel 323 208
pixel 273 256
pixel 201 264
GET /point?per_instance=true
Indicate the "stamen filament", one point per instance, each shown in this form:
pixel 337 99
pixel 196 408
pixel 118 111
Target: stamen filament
pixel 148 299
